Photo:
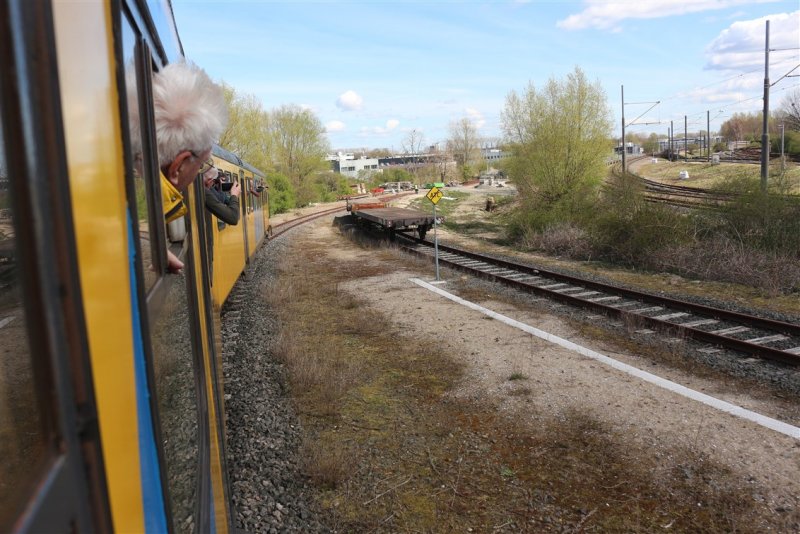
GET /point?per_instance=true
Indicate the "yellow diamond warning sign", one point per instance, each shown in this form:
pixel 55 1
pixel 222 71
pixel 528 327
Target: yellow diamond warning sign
pixel 434 195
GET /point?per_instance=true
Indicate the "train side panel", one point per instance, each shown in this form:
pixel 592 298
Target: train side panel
pixel 96 170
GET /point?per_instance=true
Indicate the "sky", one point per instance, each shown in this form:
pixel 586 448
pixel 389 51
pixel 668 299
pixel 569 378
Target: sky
pixel 374 71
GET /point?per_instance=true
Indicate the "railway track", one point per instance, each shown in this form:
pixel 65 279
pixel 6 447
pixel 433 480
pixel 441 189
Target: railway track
pixel 758 336
pixel 278 229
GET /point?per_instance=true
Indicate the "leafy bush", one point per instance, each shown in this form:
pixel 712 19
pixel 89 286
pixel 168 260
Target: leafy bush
pixel 791 143
pixel 281 194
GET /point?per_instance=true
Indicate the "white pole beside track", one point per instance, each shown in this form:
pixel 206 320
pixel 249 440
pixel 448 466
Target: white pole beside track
pixel 435 242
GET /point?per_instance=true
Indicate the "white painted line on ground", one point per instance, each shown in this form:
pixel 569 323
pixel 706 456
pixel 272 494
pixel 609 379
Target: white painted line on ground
pixel 5 321
pixel 727 407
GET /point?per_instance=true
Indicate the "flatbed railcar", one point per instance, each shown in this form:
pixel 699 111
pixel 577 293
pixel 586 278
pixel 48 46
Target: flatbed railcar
pixel 111 393
pixel 391 219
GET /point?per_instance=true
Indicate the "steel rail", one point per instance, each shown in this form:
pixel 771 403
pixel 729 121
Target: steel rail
pixel 278 229
pixel 772 353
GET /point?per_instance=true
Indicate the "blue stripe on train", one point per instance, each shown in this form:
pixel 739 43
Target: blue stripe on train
pixel 155 520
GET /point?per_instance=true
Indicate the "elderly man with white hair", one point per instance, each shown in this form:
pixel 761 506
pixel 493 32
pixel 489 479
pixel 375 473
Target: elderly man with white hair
pixel 190 115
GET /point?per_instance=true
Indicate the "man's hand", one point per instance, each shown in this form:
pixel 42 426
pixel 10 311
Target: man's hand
pixel 174 265
pixel 236 189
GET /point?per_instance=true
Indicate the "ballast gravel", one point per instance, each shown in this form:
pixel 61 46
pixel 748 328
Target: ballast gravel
pixel 269 491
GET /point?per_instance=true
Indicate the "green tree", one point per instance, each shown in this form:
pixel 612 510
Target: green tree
pixel 651 146
pixel 558 137
pixel 281 193
pixel 247 134
pixel 299 146
pixel 330 185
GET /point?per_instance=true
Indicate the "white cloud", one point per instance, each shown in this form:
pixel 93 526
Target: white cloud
pixel 349 101
pixel 740 47
pixel 476 117
pixel 605 15
pixel 334 126
pixel 391 125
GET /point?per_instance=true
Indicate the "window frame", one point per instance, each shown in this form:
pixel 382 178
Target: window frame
pixel 71 493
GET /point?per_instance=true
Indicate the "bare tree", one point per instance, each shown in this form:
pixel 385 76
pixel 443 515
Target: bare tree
pixel 789 110
pixel 412 146
pixel 464 144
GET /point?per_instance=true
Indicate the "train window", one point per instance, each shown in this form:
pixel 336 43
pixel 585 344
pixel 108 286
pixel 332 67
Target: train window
pixel 142 175
pixel 177 402
pixel 171 361
pixel 22 442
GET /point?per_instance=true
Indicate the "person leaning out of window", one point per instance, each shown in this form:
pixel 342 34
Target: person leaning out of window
pixel 224 206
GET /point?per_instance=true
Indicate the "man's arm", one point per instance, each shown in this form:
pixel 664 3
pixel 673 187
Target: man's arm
pixel 228 213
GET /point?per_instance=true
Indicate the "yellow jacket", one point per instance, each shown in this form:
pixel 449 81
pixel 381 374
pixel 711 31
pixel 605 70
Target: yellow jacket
pixel 171 200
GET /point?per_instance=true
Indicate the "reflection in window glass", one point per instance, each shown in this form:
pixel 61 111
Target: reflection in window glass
pixel 22 444
pixel 139 179
pixel 172 364
pixel 175 390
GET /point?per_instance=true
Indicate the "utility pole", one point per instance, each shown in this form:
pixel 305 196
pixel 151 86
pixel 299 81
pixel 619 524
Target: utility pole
pixel 765 130
pixel 708 136
pixel 783 161
pixel 671 139
pixel 622 94
pixel 685 138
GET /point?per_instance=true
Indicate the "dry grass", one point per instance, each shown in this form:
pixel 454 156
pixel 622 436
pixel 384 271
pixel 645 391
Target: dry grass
pixel 389 450
pixel 707 176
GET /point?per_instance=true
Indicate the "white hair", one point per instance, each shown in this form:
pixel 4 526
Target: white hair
pixel 190 110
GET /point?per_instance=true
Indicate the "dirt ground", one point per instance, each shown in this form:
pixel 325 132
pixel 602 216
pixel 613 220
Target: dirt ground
pixel 557 380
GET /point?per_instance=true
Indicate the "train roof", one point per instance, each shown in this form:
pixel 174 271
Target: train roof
pixel 230 157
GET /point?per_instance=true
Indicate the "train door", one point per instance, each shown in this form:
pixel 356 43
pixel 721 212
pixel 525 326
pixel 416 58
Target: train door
pixel 52 469
pixel 245 202
pixel 255 194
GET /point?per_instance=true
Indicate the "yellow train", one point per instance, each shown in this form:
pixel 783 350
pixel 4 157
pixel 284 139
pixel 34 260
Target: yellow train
pixel 111 392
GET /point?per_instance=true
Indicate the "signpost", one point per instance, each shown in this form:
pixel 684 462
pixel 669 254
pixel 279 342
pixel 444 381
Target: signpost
pixel 435 195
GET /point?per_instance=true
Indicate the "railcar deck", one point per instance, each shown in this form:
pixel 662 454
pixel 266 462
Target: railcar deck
pixel 394 219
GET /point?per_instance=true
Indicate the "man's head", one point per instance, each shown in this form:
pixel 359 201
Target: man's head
pixel 209 173
pixel 190 115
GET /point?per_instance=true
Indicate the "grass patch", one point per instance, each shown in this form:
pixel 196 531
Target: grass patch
pixel 389 449
pixel 706 176
pixel 446 205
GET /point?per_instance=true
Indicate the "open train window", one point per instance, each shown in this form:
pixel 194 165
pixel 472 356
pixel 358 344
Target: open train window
pixel 145 188
pixel 168 328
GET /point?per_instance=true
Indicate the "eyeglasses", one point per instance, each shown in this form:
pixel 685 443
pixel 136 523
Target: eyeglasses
pixel 207 166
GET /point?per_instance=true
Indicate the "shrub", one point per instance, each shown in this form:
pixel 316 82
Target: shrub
pixel 561 239
pixel 767 222
pixel 624 227
pixel 724 259
pixel 281 194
